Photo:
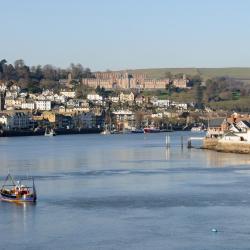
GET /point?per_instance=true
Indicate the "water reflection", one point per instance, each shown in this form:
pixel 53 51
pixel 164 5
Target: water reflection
pixel 19 216
pixel 167 153
pixel 220 159
pixel 84 182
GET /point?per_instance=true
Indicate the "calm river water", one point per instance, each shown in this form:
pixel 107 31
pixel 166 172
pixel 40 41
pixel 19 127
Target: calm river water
pixel 125 192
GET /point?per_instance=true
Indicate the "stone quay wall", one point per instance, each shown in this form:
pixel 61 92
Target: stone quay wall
pixel 240 147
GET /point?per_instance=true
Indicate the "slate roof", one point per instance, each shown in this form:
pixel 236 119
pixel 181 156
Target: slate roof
pixel 215 123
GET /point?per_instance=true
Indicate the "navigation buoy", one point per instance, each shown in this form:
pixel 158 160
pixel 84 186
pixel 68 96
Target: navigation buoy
pixel 214 230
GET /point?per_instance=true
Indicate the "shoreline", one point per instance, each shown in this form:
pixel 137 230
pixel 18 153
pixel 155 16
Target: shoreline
pixel 239 147
pixel 17 133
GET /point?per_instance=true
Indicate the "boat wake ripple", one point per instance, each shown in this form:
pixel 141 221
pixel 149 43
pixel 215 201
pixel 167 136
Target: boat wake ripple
pixel 152 201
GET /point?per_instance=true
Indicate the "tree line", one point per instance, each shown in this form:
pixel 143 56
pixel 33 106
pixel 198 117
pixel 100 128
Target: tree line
pixel 35 78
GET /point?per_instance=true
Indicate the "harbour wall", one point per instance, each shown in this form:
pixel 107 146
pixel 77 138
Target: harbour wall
pixel 210 143
pixel 240 147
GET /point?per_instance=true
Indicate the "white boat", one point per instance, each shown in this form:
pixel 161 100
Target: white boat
pixel 106 132
pixel 197 129
pixel 50 132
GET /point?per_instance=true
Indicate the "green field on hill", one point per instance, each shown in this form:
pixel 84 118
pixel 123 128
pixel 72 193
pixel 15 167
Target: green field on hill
pixel 205 73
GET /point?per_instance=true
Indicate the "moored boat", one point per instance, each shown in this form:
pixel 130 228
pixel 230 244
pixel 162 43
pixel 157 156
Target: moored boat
pixel 16 191
pixel 106 132
pixel 137 131
pixel 151 130
pixel 197 129
pixel 50 132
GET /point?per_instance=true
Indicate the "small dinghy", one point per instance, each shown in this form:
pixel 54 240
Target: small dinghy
pixel 18 191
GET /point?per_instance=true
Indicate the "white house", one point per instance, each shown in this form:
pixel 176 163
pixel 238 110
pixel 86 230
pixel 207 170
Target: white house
pixel 123 115
pixel 28 105
pixel 94 97
pixel 43 105
pixel 231 136
pixel 124 118
pixel 161 103
pixel 234 128
pixel 243 125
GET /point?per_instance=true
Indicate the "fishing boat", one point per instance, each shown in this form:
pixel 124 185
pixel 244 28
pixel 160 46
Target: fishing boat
pixel 17 191
pixel 49 132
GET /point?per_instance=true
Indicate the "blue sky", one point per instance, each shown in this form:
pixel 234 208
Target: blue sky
pixel 116 34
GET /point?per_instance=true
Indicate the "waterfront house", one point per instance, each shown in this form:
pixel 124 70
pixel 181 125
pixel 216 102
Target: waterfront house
pixel 243 125
pixel 84 120
pixel 15 120
pixel 217 127
pixel 63 121
pixel 124 119
pixel 234 128
pixel 231 136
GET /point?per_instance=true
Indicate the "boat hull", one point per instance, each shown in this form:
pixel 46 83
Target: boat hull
pixel 137 131
pixel 13 198
pixel 151 130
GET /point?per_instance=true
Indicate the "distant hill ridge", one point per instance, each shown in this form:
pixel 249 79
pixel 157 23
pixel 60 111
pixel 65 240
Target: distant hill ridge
pixel 240 73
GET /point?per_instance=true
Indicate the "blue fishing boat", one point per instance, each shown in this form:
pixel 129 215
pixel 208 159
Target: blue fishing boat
pixel 18 191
